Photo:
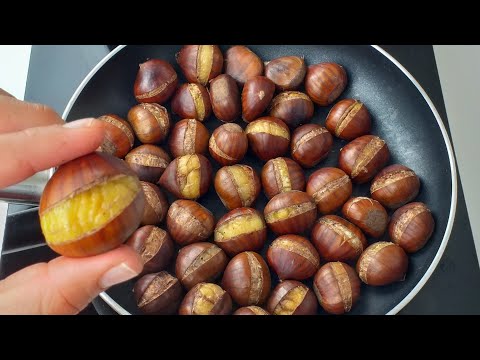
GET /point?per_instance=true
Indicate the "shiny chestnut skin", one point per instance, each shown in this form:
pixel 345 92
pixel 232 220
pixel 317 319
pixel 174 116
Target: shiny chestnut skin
pixel 411 226
pixel 292 212
pixel 363 158
pixel 329 188
pixel 247 279
pixel 228 144
pixel 237 186
pixel 325 82
pixel 368 214
pixel 337 287
pixel 239 230
pixel 192 101
pixel 156 204
pixel 150 122
pixel 199 262
pixel 256 96
pixel 268 137
pixel 291 297
pixel 336 239
pixel 206 299
pixel 349 119
pixel 382 263
pixel 156 82
pixel 200 63
pixel 148 162
pixel 293 257
pixel 251 310
pixel 395 186
pixel 225 98
pixel 292 107
pixel 281 175
pixel 189 222
pixel 311 143
pixel 287 72
pixel 241 63
pixel 119 137
pixel 189 136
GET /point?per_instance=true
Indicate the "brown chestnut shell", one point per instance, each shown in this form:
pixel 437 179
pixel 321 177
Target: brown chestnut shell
pixel 368 214
pixel 206 299
pixel 189 136
pixel 192 101
pixel 148 162
pixel 281 175
pixel 200 63
pixel 348 119
pixel 287 72
pixel 292 107
pixel 291 297
pixel 256 97
pixel 156 204
pixel 156 82
pixel 311 143
pixel 119 137
pixel 225 98
pixel 228 144
pixel 325 82
pixel 251 310
pixel 150 122
pixel 268 137
pixel 241 63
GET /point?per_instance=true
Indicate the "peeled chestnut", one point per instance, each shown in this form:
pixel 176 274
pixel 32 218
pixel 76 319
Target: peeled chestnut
pixel 150 122
pixel 363 158
pixel 337 287
pixel 228 144
pixel 225 98
pixel 286 72
pixel 336 239
pixel 411 226
pixel 237 186
pixel 395 186
pixel 282 175
pixel 292 107
pixel 293 257
pixel 251 310
pixel 291 297
pixel 268 137
pixel 90 205
pixel 156 82
pixel 200 63
pixel 148 162
pixel 188 137
pixel 192 101
pixel 382 263
pixel 156 204
pixel 242 229
pixel 256 96
pixel 368 214
pixel 241 63
pixel 199 262
pixel 325 82
pixel 329 188
pixel 311 144
pixel 247 279
pixel 119 136
pixel 291 212
pixel 206 299
pixel 189 222
pixel 348 119
pixel 188 176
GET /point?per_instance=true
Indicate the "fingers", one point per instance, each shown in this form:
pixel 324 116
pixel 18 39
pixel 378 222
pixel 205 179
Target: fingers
pixel 5 93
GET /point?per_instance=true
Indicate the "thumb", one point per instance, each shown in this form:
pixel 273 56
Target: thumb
pixel 66 285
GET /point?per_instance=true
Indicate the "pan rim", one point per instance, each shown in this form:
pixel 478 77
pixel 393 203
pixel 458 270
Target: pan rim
pixel 451 157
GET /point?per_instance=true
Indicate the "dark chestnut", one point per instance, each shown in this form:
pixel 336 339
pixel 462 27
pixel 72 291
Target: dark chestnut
pixel 292 107
pixel 156 82
pixel 256 96
pixel 281 175
pixel 150 122
pixel 156 204
pixel 192 101
pixel 310 144
pixel 291 297
pixel 268 137
pixel 119 136
pixel 348 119
pixel 251 310
pixel 206 299
pixel 241 63
pixel 368 214
pixel 189 136
pixel 325 82
pixel 228 144
pixel 200 63
pixel 225 98
pixel 287 72
pixel 148 162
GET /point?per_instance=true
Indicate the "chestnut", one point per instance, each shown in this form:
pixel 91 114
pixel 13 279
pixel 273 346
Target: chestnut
pixel 156 82
pixel 287 72
pixel 237 186
pixel 281 175
pixel 206 299
pixel 247 279
pixel 188 137
pixel 291 297
pixel 200 63
pixel 329 187
pixel 119 136
pixel 310 144
pixel 242 229
pixel 291 212
pixel 148 162
pixel 192 101
pixel 90 205
pixel 325 82
pixel 348 119
pixel 158 294
pixel 154 246
pixel 268 137
pixel 150 122
pixel 199 262
pixel 411 226
pixel 241 63
pixel 336 239
pixel 189 222
pixel 228 144
pixel 395 186
pixel 251 310
pixel 293 257
pixel 363 158
pixel 382 263
pixel 225 98
pixel 337 287
pixel 292 107
pixel 256 96
pixel 368 214
pixel 156 204
pixel 188 176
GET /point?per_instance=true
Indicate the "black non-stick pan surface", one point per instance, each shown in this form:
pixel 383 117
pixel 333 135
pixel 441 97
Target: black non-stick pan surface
pixel 401 113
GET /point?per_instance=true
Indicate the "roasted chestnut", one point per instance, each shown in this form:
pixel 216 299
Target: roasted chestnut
pixel 192 101
pixel 348 119
pixel 311 144
pixel 256 96
pixel 268 137
pixel 188 137
pixel 282 175
pixel 286 72
pixel 206 299
pixel 119 136
pixel 325 82
pixel 156 204
pixel 150 122
pixel 228 144
pixel 200 63
pixel 251 310
pixel 368 214
pixel 292 107
pixel 156 82
pixel 241 63
pixel 148 162
pixel 291 297
pixel 225 98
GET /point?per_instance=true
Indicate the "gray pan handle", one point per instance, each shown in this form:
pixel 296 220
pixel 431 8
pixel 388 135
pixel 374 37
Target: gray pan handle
pixel 28 191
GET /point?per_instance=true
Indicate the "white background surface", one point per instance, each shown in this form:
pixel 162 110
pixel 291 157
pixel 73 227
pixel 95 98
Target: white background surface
pixel 14 60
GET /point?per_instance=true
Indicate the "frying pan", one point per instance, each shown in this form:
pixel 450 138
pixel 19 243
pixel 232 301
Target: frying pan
pixel 402 114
